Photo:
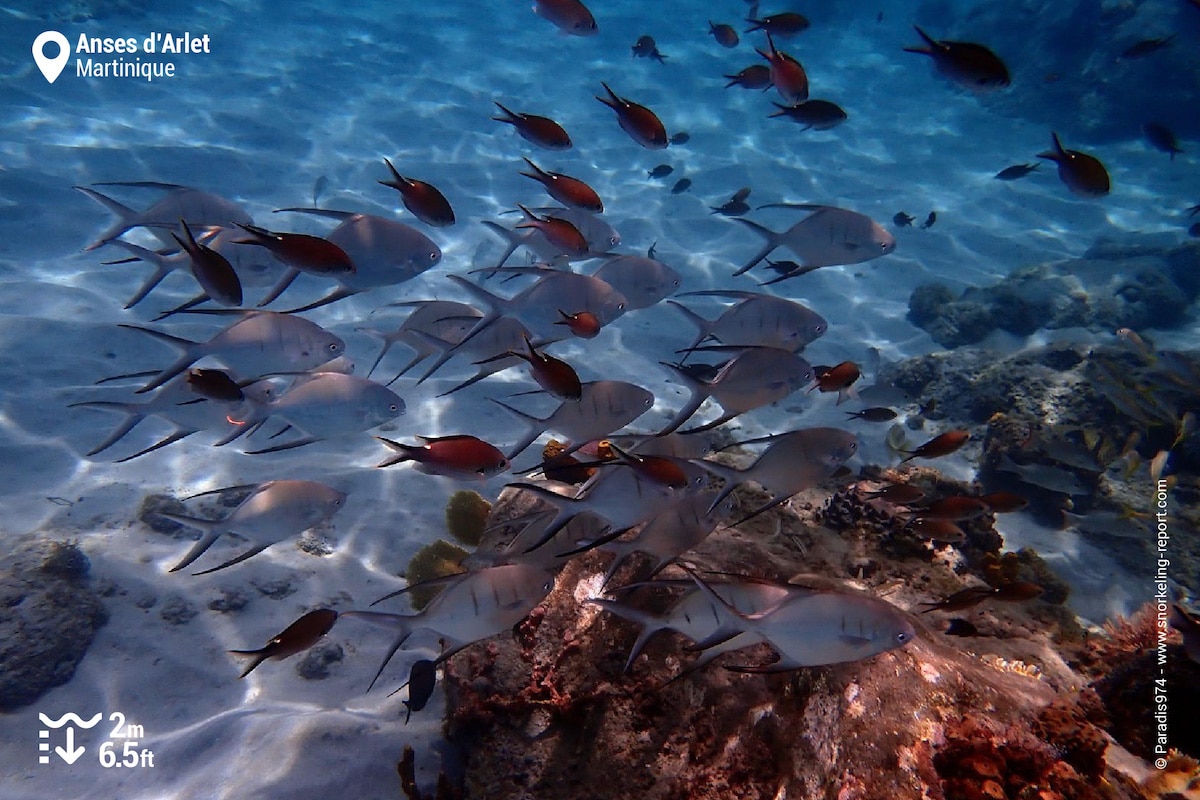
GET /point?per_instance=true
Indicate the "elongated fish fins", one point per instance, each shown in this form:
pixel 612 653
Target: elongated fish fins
pixel 496 307
pixel 704 326
pixel 320 212
pixel 513 240
pixel 185 360
pixel 126 217
pixel 774 240
pixel 289 276
pixel 206 541
pixel 161 269
pixel 253 551
pixel 536 428
pixel 732 476
pixel 403 624
pixel 340 293
pixel 133 417
pixel 649 624
pixel 700 392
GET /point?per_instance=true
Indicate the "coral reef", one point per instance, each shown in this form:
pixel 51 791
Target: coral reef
pixel 1111 287
pixel 466 517
pixel 50 617
pixel 432 561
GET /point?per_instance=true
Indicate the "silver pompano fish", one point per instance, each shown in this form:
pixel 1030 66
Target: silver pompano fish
pixel 505 335
pixel 471 607
pixel 643 281
pixel 195 207
pixel 538 306
pixel 616 494
pixel 440 319
pixel 384 253
pixel 273 512
pixel 175 403
pixel 693 614
pixel 757 320
pixel 827 237
pixel 252 269
pixel 793 461
pixel 260 342
pixel 603 407
pixel 755 377
pixel 326 405
pixel 810 628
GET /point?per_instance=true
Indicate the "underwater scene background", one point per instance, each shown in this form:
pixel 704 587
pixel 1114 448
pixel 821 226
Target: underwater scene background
pixel 965 559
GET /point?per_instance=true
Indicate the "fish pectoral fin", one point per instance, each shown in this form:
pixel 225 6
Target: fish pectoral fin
pixel 206 541
pixel 301 442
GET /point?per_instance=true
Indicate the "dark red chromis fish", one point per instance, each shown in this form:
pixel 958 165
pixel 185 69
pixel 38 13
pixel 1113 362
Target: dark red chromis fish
pixel 212 270
pixel 570 16
pixel 789 77
pixel 968 64
pixel 1162 138
pixel 452 456
pixel 757 76
pixel 939 446
pixel 569 191
pixel 297 637
pixel 583 324
pixel 787 23
pixel 819 114
pixel 1084 175
pixel 638 121
pixel 214 384
pixel 560 233
pixel 422 199
pixel 542 131
pixel 299 250
pixel 725 35
pixel 554 375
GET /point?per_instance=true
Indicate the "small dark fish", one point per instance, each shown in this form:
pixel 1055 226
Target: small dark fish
pixel 900 494
pixel 1018 592
pixel 1145 47
pixel 787 74
pixel 955 509
pixel 683 137
pixel 783 267
pixel 736 205
pixel 559 232
pixel 725 35
pixel 1083 174
pixel 319 189
pixel 877 414
pixel 928 223
pixel 214 385
pixel 939 446
pixel 661 171
pixel 1004 502
pixel 968 64
pixel 903 220
pixel 423 199
pixel 928 407
pixel 212 270
pixel 1015 171
pixel 820 115
pixel 1194 230
pixel 943 531
pixel 554 375
pixel 646 48
pixel 300 251
pixel 788 23
pixel 703 372
pixel 569 191
pixel 961 627
pixel 757 76
pixel 297 637
pixel 1162 138
pixel 960 601
pixel 564 468
pixel 583 324
pixel 542 131
pixel 422 679
pixel 681 186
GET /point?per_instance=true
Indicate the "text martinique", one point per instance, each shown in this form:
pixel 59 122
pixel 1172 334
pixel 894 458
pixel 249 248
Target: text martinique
pixel 163 43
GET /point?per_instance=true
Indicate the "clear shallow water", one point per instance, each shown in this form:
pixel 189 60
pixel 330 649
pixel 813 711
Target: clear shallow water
pixel 292 94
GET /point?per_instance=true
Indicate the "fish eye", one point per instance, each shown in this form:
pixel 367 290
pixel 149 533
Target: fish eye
pixel 620 306
pixel 333 348
pixel 902 637
pixel 393 407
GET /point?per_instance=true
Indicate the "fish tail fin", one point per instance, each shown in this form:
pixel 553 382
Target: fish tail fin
pixel 184 361
pixel 703 326
pixel 511 238
pixel 388 340
pixel 280 287
pixel 132 418
pixel 563 513
pixel 126 217
pixel 773 240
pixel 161 269
pixel 700 392
pixel 650 624
pixel 536 427
pixel 612 101
pixel 257 657
pixel 508 117
pixel 211 534
pixel 930 42
pixel 849 393
pixel 497 307
pixel 732 476
pixel 403 452
pixel 404 624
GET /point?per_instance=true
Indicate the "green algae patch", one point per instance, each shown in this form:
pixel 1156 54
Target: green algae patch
pixel 432 561
pixel 466 517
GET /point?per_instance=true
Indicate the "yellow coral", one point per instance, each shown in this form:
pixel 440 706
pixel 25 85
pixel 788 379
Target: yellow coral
pixel 432 561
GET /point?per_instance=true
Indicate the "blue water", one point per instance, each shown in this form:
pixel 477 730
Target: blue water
pixel 293 92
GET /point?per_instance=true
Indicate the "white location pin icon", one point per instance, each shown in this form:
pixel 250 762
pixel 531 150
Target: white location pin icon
pixel 51 67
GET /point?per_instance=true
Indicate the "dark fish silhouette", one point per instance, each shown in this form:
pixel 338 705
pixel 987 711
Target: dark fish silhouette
pixel 1083 174
pixel 661 171
pixel 757 76
pixel 683 137
pixel 787 74
pixel 422 679
pixel 423 199
pixel 877 414
pixel 1162 138
pixel 787 23
pixel 295 638
pixel 725 35
pixel 968 64
pixel 646 48
pixel 819 114
pixel 1016 171
pixel 903 220
pixel 939 446
pixel 212 270
pixel 1145 47
pixel 928 223
pixel 681 186
pixel 642 125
